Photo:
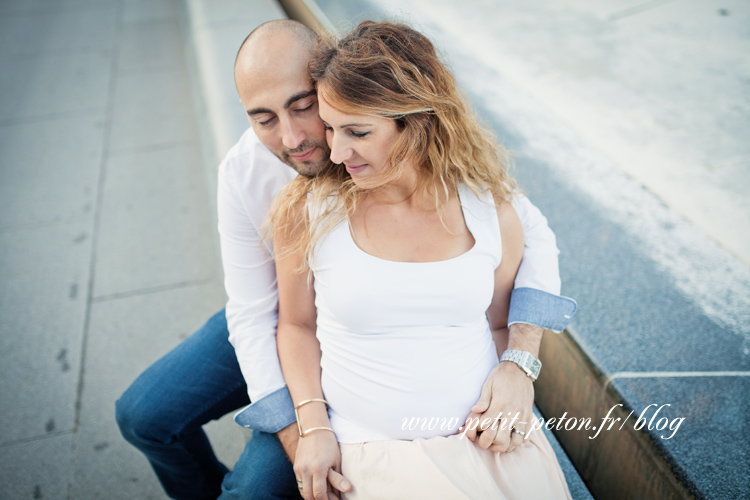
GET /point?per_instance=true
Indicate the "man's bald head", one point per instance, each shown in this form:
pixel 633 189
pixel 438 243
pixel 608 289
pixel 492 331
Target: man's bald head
pixel 271 35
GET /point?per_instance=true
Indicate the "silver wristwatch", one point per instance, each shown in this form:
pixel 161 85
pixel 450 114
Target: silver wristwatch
pixel 525 360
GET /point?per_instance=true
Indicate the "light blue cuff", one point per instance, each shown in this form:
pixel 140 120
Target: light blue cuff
pixel 270 413
pixel 538 308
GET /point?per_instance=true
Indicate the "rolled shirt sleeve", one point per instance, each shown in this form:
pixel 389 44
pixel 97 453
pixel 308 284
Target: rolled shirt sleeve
pixel 536 298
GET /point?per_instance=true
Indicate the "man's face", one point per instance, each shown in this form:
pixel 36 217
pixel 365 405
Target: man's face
pixel 282 107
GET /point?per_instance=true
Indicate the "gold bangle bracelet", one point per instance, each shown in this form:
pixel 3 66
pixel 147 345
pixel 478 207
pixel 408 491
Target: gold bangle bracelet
pixel 296 414
pixel 313 400
pixel 308 431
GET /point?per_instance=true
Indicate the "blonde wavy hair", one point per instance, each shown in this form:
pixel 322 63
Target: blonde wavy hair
pixel 390 70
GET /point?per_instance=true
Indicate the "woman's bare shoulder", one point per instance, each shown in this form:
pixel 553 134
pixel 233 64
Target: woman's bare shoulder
pixel 511 228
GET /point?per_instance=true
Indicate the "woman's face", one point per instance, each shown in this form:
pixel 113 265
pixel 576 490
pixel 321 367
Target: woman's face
pixel 363 143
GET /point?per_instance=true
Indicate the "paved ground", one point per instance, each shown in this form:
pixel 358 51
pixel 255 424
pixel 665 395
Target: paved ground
pixel 107 247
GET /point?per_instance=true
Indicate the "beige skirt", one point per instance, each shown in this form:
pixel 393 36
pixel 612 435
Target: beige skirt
pixel 452 468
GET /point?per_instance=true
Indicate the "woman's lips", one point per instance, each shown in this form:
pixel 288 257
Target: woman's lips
pixel 355 169
pixel 304 156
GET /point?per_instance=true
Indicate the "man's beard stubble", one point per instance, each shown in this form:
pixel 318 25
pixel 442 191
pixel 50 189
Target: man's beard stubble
pixel 307 168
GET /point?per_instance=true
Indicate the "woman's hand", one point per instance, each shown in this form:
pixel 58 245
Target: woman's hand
pixel 507 393
pixel 317 466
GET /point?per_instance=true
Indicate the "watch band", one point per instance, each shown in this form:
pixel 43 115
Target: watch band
pixel 525 360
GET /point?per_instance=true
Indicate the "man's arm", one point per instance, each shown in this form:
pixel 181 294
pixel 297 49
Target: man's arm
pixel 535 299
pixel 535 304
pixel 250 282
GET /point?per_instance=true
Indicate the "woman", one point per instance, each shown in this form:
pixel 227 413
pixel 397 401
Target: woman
pixel 395 267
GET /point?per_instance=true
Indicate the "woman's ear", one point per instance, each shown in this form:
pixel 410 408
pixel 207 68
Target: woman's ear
pixel 424 125
pixel 419 135
pixel 420 122
pixel 422 119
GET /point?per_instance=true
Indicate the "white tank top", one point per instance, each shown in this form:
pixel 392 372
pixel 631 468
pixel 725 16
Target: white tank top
pixel 403 341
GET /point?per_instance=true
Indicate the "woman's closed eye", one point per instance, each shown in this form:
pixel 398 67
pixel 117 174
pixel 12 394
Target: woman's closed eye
pixel 353 133
pixel 358 135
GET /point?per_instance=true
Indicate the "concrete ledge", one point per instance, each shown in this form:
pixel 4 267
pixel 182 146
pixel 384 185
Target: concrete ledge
pixel 619 463
pixel 213 32
pixel 307 12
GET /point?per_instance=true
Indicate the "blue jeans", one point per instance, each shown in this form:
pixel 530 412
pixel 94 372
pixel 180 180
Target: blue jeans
pixel 163 411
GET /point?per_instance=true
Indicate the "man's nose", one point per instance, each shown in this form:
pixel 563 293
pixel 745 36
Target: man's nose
pixel 340 152
pixel 292 134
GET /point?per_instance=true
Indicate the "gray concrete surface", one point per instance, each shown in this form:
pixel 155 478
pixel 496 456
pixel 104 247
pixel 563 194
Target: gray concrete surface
pixel 106 237
pixel 213 32
pixel 658 87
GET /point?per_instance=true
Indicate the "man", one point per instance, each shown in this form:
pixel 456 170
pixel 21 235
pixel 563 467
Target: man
pixel 232 359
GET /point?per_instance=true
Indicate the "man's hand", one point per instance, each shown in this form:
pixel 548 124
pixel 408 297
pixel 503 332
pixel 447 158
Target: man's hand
pixel 505 404
pixel 507 397
pixel 289 437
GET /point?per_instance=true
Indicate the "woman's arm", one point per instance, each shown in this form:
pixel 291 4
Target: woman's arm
pixel 318 458
pixel 511 232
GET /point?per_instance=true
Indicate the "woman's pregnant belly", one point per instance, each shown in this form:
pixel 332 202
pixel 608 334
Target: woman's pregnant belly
pixel 413 383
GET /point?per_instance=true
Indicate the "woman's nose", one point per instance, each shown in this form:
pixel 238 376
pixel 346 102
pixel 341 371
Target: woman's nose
pixel 340 152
